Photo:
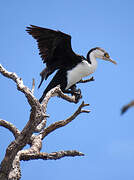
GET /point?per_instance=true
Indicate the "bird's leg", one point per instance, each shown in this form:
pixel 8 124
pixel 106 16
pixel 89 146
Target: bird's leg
pixel 67 91
pixel 72 90
pixel 76 92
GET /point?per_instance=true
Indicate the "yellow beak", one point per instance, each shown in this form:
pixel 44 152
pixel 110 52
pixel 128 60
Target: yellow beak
pixel 114 62
pixel 108 59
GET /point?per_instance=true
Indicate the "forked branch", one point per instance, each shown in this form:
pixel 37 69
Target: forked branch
pixel 10 166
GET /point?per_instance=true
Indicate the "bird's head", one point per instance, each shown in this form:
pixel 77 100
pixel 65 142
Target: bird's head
pixel 99 53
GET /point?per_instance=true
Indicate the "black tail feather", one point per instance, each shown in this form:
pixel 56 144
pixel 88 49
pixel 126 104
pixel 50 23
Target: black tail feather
pixel 42 97
pixel 58 79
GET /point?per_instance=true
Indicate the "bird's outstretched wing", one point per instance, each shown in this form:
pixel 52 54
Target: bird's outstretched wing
pixel 54 46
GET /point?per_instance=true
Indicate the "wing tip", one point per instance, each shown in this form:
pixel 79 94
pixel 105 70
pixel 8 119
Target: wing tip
pixel 31 28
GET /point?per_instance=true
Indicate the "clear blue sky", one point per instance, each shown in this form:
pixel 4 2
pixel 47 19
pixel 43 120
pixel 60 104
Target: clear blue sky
pixel 106 138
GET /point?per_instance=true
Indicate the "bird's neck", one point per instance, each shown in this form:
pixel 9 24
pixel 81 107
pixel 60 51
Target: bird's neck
pixel 91 57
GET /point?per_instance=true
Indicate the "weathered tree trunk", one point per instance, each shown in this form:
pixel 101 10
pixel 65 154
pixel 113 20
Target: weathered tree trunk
pixel 10 165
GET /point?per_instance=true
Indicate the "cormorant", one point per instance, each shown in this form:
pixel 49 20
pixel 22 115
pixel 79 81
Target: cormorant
pixel 56 52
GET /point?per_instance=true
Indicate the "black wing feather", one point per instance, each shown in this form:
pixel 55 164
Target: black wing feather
pixel 55 50
pixel 54 46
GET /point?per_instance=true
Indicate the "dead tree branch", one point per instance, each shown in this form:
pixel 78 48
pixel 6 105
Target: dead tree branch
pixel 87 80
pixel 10 165
pixel 33 86
pixel 51 156
pixel 58 91
pixel 10 127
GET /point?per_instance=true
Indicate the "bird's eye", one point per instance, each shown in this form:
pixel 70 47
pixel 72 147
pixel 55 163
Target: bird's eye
pixel 106 55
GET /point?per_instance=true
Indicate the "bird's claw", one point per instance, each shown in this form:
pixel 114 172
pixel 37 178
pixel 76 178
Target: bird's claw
pixel 92 79
pixel 77 95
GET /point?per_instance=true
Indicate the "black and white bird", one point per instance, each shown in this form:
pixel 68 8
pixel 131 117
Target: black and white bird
pixel 56 51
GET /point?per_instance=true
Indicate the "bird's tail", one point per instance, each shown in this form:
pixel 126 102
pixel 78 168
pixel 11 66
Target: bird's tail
pixel 58 79
pixel 48 88
pixel 42 97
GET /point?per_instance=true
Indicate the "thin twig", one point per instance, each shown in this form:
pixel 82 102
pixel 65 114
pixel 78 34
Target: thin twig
pixel 33 86
pixel 87 80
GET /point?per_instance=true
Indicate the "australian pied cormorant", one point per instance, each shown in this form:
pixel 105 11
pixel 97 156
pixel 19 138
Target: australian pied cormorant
pixel 56 51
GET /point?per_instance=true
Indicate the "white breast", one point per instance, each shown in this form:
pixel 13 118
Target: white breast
pixel 81 70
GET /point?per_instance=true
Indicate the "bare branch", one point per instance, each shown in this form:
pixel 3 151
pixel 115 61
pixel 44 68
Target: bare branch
pixel 22 140
pixel 20 86
pixel 28 93
pixel 62 123
pixel 14 130
pixel 70 99
pixel 58 91
pixel 41 126
pixel 10 166
pixel 87 80
pixel 51 156
pixel 50 94
pixel 35 148
pixel 36 117
pixel 10 127
pixel 85 111
pixel 33 86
